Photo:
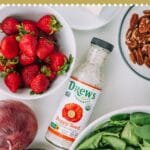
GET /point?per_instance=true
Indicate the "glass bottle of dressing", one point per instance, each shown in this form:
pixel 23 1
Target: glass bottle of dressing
pixel 80 97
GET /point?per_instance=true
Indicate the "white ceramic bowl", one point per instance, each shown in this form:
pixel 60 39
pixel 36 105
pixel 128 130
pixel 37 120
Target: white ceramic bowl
pixel 90 128
pixel 78 17
pixel 65 38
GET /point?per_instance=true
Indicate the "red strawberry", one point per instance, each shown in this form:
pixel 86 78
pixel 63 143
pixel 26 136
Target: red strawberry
pixel 28 45
pixel 40 83
pixel 9 47
pixel 10 25
pixel 13 81
pixel 59 62
pixel 29 73
pixel 52 76
pixel 26 60
pixel 49 24
pixel 45 48
pixel 47 59
pixel 28 26
pixel 48 72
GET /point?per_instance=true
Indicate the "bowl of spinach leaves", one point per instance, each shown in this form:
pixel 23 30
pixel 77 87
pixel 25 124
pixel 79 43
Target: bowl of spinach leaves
pixel 124 129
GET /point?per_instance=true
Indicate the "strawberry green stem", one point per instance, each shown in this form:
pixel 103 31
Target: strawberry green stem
pixel 66 66
pixel 55 24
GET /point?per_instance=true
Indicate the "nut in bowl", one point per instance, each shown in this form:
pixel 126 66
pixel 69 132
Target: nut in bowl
pixel 123 129
pixel 134 40
pixel 41 52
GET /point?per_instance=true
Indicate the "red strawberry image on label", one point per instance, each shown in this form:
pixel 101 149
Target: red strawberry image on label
pixel 72 112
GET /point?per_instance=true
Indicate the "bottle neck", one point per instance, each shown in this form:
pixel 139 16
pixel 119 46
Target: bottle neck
pixel 96 55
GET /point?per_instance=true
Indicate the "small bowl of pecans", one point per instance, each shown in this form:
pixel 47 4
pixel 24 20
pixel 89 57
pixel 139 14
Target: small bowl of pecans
pixel 134 40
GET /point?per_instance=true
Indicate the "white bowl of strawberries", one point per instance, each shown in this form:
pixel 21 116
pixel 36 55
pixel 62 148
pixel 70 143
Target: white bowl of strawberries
pixel 37 51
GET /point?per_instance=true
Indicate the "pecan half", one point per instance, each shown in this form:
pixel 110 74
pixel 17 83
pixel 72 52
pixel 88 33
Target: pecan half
pixel 133 57
pixel 147 49
pixel 144 50
pixel 128 34
pixel 132 44
pixel 146 12
pixel 144 25
pixel 140 59
pixel 134 20
pixel 135 34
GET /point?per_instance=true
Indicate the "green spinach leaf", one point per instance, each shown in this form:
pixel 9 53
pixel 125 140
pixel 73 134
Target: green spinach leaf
pixel 129 136
pixel 142 131
pixel 115 142
pixel 120 117
pixel 140 118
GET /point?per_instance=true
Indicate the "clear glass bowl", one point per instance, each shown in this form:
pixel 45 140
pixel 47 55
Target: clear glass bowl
pixel 141 71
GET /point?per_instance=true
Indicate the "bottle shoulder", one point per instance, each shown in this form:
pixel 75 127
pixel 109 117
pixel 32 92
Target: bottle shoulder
pixel 89 73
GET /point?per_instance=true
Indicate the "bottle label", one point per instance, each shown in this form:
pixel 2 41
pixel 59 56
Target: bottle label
pixel 74 111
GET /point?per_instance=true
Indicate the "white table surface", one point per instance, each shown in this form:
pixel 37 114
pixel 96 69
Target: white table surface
pixel 122 87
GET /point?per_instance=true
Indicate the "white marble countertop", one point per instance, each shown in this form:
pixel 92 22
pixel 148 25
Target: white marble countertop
pixel 122 88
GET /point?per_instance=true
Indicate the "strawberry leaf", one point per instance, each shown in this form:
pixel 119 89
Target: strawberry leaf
pixel 45 71
pixel 3 60
pixel 21 30
pixel 13 61
pixel 18 38
pixel 32 93
pixel 3 74
pixel 55 25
